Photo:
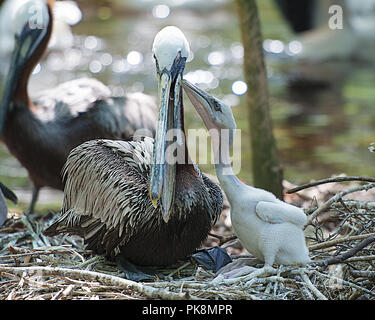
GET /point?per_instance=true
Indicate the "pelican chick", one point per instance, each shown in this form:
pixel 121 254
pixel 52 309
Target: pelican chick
pixel 268 228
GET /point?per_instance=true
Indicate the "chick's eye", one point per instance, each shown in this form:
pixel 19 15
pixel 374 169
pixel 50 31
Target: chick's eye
pixel 217 106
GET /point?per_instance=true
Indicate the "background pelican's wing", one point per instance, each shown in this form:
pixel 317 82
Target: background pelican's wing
pixel 123 117
pixel 70 98
pixel 279 212
pixel 116 117
pixel 111 177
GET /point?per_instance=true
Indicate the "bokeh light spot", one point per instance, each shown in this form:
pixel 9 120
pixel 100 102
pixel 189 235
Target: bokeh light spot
pixel 239 87
pixel 160 11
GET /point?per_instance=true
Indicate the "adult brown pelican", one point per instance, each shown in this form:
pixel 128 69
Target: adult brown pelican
pixel 126 199
pixel 41 133
pixel 5 193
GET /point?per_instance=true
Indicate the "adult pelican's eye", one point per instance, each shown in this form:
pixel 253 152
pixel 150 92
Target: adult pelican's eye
pixel 178 57
pixel 156 65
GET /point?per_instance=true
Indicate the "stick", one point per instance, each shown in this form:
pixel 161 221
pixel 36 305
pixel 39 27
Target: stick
pixel 309 284
pixel 335 198
pixel 351 252
pixel 354 204
pixel 329 180
pixel 11 237
pixel 365 274
pixel 360 258
pixel 38 252
pixel 29 226
pixel 339 240
pixel 179 269
pixel 222 239
pixel 344 282
pixel 228 244
pixel 99 277
pixel 94 259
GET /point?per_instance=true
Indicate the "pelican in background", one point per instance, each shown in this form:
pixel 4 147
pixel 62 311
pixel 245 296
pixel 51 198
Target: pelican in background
pixel 267 227
pixel 5 193
pixel 40 133
pixel 127 199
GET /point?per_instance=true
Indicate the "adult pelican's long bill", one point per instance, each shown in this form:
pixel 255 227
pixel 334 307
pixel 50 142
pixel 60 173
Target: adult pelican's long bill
pixel 163 170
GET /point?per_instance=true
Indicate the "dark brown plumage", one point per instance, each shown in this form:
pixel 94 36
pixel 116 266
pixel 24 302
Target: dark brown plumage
pixel 106 201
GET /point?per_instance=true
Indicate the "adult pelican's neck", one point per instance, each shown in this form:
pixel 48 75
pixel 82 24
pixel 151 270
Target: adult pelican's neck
pixel 21 93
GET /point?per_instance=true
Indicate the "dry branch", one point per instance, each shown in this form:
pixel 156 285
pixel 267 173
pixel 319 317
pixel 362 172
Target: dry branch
pixel 330 180
pixel 353 204
pixel 325 206
pixel 365 274
pixel 353 222
pixel 338 259
pixel 331 243
pixel 312 288
pixel 99 277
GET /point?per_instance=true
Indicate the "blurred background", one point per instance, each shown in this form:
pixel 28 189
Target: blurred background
pixel 321 81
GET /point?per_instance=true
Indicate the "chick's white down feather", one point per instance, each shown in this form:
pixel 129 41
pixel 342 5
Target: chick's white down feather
pixel 267 227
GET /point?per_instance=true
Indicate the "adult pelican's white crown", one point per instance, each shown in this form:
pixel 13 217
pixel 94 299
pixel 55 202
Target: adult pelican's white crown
pixel 167 44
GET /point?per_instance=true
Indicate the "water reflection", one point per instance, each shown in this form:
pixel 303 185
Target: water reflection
pixel 239 87
pixel 95 66
pixel 295 47
pixel 216 58
pixel 273 46
pixel 134 58
pixel 92 43
pixel 203 78
pixel 160 11
pixel 67 11
pixel 120 66
pixel 236 49
pixel 106 59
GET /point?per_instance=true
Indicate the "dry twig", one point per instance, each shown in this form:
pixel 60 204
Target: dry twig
pixel 325 206
pixel 99 277
pixel 330 180
pixel 338 259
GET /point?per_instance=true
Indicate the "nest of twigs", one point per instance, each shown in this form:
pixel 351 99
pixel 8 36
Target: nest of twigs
pixel 340 236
